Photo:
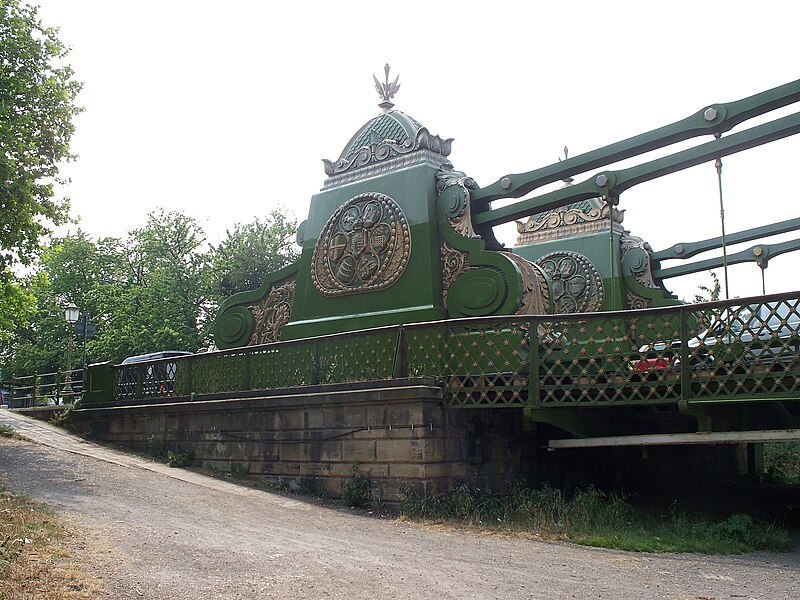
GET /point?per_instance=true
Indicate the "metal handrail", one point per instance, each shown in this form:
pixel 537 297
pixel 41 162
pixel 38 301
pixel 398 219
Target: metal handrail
pixel 439 348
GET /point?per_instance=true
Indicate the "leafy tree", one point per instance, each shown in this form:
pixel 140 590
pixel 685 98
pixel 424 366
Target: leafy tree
pixel 706 293
pixel 251 252
pixel 37 105
pixel 152 290
pixel 71 269
pixel 146 293
pixel 162 301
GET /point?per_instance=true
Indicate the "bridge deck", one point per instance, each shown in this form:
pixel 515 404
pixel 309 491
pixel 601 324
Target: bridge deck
pixel 743 350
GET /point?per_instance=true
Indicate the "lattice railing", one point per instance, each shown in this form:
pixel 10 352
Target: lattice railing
pixel 744 349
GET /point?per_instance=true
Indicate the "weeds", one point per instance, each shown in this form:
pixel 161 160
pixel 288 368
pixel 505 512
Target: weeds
pixel 593 518
pixel 782 462
pixel 179 460
pixel 355 489
pixel 7 431
pixel 63 418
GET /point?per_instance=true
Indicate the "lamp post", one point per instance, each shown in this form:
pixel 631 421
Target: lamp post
pixel 71 314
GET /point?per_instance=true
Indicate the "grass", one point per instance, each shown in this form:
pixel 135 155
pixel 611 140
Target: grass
pixel 592 518
pixel 33 563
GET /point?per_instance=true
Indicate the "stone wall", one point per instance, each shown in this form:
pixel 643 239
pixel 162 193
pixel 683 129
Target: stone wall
pixel 398 435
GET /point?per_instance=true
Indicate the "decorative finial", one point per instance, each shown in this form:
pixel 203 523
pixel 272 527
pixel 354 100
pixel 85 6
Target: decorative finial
pixel 386 90
pixel 568 180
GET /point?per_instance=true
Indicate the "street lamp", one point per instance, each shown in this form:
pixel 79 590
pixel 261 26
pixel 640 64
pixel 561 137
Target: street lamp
pixel 71 314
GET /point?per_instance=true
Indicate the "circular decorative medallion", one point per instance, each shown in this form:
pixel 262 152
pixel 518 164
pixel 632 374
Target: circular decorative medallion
pixel 364 247
pixel 575 283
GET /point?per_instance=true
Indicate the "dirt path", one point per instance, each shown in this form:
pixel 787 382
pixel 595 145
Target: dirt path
pixel 164 533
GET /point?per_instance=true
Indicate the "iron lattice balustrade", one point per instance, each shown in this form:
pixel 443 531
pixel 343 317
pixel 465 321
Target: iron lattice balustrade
pixel 726 351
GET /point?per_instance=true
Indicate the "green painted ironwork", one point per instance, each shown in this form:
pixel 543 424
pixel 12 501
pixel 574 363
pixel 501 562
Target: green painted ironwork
pixel 715 119
pixel 398 236
pixel 743 350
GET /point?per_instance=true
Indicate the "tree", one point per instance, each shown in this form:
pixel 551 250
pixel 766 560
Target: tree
pixel 168 301
pixel 145 293
pixel 37 105
pixel 251 252
pixel 708 294
pixel 70 269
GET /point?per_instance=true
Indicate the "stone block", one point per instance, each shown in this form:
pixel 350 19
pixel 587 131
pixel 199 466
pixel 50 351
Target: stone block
pixel 340 470
pixel 331 486
pixel 293 419
pixel 407 471
pixel 400 451
pixel 358 451
pixel 445 470
pixel 331 450
pixel 315 418
pixel 314 469
pixel 373 470
pixel 298 451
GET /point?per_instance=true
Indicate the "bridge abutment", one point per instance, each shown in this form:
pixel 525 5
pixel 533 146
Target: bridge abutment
pixel 398 434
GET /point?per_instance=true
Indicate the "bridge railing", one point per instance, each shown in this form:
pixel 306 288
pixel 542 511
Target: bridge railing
pixel 42 389
pixel 742 349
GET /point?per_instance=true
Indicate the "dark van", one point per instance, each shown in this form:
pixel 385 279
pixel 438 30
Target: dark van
pixel 158 378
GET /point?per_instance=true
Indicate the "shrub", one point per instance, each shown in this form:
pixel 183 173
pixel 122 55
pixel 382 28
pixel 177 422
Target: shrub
pixel 355 489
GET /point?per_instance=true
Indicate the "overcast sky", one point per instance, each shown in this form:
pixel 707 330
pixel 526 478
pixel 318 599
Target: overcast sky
pixel 224 110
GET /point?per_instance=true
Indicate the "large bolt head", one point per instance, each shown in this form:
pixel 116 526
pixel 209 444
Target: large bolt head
pixel 710 114
pixel 505 183
pixel 601 180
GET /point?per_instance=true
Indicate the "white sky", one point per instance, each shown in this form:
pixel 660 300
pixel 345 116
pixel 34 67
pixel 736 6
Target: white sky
pixel 223 110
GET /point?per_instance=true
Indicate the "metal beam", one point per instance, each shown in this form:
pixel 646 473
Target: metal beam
pixel 714 119
pixel 671 439
pixel 760 254
pixel 689 249
pixel 611 184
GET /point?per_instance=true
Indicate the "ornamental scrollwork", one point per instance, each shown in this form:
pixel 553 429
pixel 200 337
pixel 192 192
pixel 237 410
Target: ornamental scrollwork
pixel 636 260
pixel 364 247
pixel 454 263
pixel 378 151
pixel 456 206
pixel 576 219
pixel 535 289
pixel 636 302
pixel 272 314
pixel 576 284
pixel 561 219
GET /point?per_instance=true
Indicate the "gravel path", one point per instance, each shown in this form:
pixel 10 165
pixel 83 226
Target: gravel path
pixel 161 533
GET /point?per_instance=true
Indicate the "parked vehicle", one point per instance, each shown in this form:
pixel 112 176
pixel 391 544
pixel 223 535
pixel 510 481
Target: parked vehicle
pixel 157 379
pixel 657 356
pixel 767 333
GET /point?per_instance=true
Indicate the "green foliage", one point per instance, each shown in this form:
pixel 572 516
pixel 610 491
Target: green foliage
pixel 782 461
pixel 151 291
pixel 37 105
pixel 706 293
pixel 179 460
pixel 252 251
pixel 592 518
pixel 356 489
